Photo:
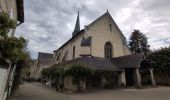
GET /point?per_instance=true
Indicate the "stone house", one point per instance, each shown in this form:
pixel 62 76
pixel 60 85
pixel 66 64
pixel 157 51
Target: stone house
pixel 44 60
pixel 102 46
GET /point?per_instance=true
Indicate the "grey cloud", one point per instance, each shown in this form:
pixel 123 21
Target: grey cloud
pixel 49 23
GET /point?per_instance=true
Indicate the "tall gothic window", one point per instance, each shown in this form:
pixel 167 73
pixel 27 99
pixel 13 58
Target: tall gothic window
pixel 73 52
pixel 108 50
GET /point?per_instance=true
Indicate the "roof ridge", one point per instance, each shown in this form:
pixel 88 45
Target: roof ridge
pixel 98 19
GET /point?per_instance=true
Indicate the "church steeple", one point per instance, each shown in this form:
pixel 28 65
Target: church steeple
pixel 77 26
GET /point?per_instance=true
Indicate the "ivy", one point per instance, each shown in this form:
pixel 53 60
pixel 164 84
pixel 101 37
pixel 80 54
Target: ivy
pixel 78 72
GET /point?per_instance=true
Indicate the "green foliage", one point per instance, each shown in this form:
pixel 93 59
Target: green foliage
pixel 10 47
pixel 138 42
pixel 79 72
pixel 161 59
pixel 6 24
pixel 13 49
pixel 51 72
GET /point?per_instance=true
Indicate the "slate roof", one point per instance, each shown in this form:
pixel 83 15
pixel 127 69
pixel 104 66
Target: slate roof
pixel 77 26
pixel 128 61
pixel 114 64
pixel 95 63
pixel 45 58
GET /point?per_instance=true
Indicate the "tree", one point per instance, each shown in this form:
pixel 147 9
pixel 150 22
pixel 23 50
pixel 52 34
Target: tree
pixel 138 43
pixel 160 59
pixel 11 48
pixel 6 24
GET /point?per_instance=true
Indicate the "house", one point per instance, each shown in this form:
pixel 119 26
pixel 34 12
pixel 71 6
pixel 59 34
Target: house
pixel 16 11
pixel 44 60
pixel 102 46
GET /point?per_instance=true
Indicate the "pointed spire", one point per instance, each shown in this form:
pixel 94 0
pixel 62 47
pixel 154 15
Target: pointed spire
pixel 77 26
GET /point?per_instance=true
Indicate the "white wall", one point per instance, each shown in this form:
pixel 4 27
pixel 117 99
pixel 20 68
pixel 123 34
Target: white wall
pixel 3 80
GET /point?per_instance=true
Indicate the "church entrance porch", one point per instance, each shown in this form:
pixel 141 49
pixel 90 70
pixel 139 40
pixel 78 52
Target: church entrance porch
pixel 140 76
pixel 103 79
pixel 129 73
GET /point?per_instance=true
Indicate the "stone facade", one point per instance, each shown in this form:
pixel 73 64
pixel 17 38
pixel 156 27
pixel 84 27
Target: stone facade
pixel 102 30
pixel 44 60
pixel 99 40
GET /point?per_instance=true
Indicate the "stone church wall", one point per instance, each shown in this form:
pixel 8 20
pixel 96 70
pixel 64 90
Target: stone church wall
pixel 101 31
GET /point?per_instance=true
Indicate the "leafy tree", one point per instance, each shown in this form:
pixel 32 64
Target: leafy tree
pixel 138 43
pixel 160 59
pixel 6 24
pixel 13 49
pixel 10 47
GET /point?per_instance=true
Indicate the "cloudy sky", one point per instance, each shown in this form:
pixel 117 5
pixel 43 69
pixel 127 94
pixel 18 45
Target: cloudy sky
pixel 49 23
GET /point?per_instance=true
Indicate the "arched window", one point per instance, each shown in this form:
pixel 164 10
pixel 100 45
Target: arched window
pixel 73 52
pixel 108 50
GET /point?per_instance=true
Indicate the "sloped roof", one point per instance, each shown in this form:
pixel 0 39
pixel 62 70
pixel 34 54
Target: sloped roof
pixel 128 61
pixel 95 63
pixel 45 58
pixel 83 30
pixel 77 26
pixel 114 64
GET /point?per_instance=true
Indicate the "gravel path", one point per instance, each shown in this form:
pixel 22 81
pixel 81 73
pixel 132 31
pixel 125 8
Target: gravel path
pixel 36 91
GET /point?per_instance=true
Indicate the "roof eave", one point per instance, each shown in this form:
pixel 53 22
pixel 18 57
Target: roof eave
pixel 20 10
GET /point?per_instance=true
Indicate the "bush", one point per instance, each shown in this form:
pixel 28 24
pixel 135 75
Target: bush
pixel 79 73
pixel 160 59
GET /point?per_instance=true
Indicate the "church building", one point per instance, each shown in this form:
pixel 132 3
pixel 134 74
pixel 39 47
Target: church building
pixel 102 46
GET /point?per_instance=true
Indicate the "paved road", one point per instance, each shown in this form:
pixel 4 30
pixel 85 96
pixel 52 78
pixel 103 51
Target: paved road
pixel 35 91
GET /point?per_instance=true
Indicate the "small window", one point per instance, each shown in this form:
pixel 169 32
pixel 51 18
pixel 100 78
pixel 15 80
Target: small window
pixel 73 52
pixel 110 25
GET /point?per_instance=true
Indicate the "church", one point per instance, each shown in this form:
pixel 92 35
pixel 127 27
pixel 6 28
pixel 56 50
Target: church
pixel 102 46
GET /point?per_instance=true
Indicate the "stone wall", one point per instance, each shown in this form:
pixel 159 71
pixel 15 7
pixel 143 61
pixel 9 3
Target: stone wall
pixel 69 84
pixel 162 78
pixel 102 31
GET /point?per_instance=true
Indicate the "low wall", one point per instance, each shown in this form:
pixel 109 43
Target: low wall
pixel 162 78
